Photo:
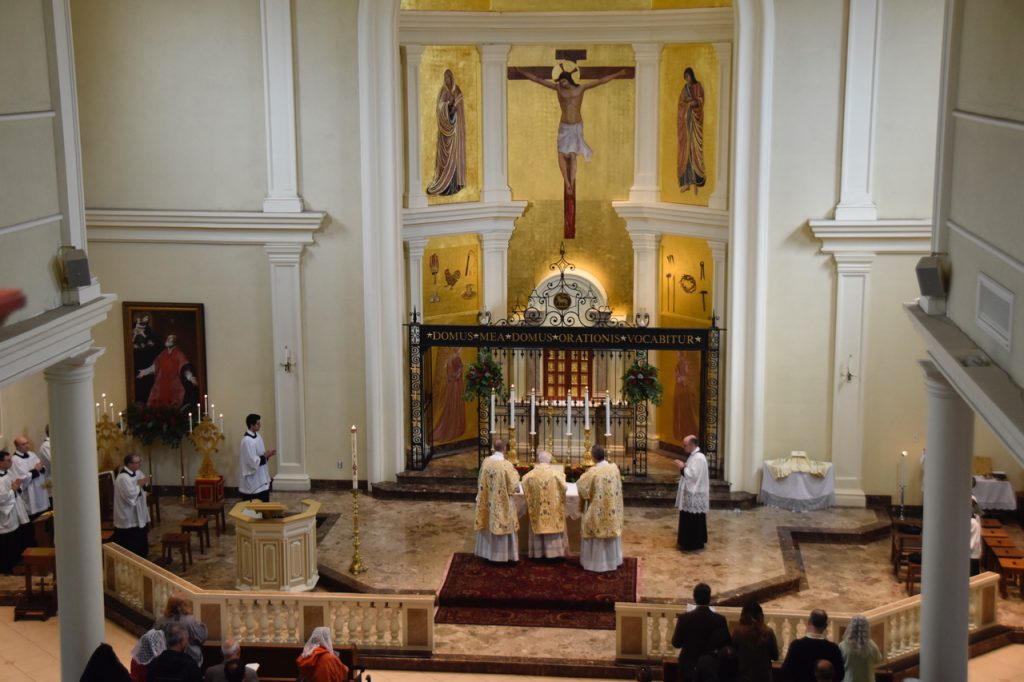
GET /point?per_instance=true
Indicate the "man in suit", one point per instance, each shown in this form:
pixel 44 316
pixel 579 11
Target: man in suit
pixel 231 651
pixel 804 654
pixel 700 632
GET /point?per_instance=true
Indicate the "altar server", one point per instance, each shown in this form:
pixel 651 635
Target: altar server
pixel 693 496
pixel 31 470
pixel 544 488
pixel 496 519
pixel 253 456
pixel 45 457
pixel 601 531
pixel 131 514
pixel 13 517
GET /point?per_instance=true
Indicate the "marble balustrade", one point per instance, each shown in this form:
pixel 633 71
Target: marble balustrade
pixel 644 631
pixel 402 622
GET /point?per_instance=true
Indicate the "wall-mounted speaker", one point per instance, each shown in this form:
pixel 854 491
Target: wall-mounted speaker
pixel 929 277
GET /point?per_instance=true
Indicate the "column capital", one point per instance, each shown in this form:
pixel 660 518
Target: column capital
pixel 281 253
pixel 935 382
pixel 496 238
pixel 853 263
pixel 718 248
pixel 722 50
pixel 647 51
pixel 416 246
pixel 74 369
pixel 494 52
pixel 413 53
pixel 645 241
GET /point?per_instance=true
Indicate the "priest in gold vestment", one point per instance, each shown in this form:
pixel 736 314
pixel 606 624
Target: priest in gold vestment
pixel 544 488
pixel 496 518
pixel 601 531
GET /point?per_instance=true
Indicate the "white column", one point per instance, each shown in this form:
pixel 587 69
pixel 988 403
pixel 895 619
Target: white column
pixel 494 63
pixel 645 165
pixel 947 514
pixel 718 256
pixel 495 255
pixel 855 201
pixel 414 196
pixel 417 246
pixel 76 502
pixel 645 272
pixel 286 319
pixel 279 104
pixel 720 197
pixel 852 270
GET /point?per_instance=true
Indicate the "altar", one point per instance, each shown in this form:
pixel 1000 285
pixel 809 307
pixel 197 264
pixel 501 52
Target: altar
pixel 274 552
pixel 572 518
pixel 994 493
pixel 797 483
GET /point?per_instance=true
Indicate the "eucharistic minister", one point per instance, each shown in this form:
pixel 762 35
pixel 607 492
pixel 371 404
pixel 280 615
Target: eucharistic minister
pixel 544 488
pixel 496 519
pixel 601 529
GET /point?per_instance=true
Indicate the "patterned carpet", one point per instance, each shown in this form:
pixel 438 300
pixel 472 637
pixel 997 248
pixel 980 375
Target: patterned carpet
pixel 534 593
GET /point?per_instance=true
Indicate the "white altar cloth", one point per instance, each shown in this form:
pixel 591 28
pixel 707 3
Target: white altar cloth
pixel 994 494
pixel 799 491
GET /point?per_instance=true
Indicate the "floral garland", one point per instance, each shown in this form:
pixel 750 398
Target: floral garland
pixel 482 376
pixel 166 424
pixel 640 383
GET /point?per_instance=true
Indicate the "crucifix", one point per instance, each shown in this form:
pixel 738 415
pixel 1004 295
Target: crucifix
pixel 566 80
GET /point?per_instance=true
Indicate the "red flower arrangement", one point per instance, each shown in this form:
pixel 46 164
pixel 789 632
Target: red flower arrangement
pixel 483 376
pixel 640 383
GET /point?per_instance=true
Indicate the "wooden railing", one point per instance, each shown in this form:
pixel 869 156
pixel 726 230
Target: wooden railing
pixel 644 631
pixel 402 622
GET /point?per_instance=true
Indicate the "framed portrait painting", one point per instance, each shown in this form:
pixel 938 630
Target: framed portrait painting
pixel 164 353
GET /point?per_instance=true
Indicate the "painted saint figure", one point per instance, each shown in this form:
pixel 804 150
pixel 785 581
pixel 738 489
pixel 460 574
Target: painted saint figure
pixel 690 130
pixel 686 403
pixel 450 162
pixel 451 423
pixel 175 382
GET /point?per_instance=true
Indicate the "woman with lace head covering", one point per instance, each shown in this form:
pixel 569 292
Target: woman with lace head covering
pixel 150 645
pixel 860 653
pixel 318 662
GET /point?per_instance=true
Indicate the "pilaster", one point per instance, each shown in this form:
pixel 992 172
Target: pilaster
pixel 279 103
pixel 76 499
pixel 719 251
pixel 645 167
pixel 414 195
pixel 645 272
pixel 416 246
pixel 286 318
pixel 720 197
pixel 494 245
pixel 493 61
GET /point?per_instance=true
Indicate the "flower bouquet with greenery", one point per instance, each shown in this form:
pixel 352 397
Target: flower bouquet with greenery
pixel 640 383
pixel 483 375
pixel 164 424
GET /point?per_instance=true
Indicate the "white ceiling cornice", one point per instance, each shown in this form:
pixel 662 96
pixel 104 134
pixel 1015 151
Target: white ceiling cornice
pixel 202 227
pixel 566 28
pixel 873 236
pixel 675 219
pixel 449 219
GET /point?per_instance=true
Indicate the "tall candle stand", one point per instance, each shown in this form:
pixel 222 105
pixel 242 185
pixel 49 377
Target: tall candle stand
pixel 551 433
pixel 206 437
pixel 356 567
pixel 533 447
pixel 513 455
pixel 588 460
pixel 110 443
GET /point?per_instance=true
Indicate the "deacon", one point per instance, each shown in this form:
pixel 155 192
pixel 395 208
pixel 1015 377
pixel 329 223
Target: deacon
pixel 692 496
pixel 601 530
pixel 496 518
pixel 131 514
pixel 30 469
pixel 253 456
pixel 13 517
pixel 544 488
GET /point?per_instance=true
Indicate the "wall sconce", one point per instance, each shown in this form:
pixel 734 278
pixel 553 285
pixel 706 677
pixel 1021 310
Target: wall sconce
pixel 483 317
pixel 288 364
pixel 642 318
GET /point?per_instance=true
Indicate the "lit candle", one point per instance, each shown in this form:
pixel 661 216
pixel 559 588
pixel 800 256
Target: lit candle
pixel 120 421
pixel 221 421
pixel 512 405
pixel 199 412
pixel 568 414
pixel 586 408
pixel 607 415
pixel 287 355
pixel 213 411
pixel 97 411
pixel 492 410
pixel 901 469
pixel 190 422
pixel 355 461
pixel 111 412
pixel 533 411
pixel 206 399
pixel 104 396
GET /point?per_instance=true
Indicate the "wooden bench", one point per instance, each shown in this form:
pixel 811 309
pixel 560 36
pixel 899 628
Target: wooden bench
pixel 199 526
pixel 216 511
pixel 1010 570
pixel 179 541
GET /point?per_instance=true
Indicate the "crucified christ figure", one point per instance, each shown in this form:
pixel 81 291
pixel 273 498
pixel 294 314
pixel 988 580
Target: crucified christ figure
pixel 570 127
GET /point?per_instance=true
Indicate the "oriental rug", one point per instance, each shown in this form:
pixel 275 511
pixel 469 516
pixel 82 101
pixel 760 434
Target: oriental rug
pixel 534 593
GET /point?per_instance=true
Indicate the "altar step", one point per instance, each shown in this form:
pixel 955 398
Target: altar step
pixel 460 486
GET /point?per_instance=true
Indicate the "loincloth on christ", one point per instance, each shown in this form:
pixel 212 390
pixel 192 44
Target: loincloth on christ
pixel 570 140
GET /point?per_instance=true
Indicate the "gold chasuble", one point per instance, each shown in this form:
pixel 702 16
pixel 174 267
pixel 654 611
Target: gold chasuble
pixel 545 498
pixel 494 509
pixel 601 487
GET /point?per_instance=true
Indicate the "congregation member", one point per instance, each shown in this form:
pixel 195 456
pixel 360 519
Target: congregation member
pixel 692 496
pixel 699 633
pixel 131 514
pixel 232 668
pixel 318 662
pixel 175 663
pixel 46 457
pixel 804 653
pixel 544 488
pixel 178 611
pixel 150 645
pixel 13 517
pixel 755 644
pixel 860 653
pixel 253 459
pixel 32 472
pixel 496 519
pixel 824 671
pixel 104 666
pixel 601 529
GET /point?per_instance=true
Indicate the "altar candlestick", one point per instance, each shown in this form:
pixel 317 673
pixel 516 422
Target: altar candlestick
pixel 199 412
pixel 355 460
pixel 120 421
pixel 901 469
pixel 206 399
pixel 97 412
pixel 607 415
pixel 533 410
pixel 111 412
pixel 190 422
pixel 568 414
pixel 104 396
pixel 221 421
pixel 492 410
pixel 213 411
pixel 512 405
pixel 586 408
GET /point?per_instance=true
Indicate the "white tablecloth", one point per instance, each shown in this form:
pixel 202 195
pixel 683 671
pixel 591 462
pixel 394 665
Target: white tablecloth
pixel 799 491
pixel 994 494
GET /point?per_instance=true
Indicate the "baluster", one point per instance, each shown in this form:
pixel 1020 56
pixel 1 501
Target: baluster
pixel 250 621
pixel 397 636
pixel 368 620
pixel 654 619
pixel 264 612
pixel 381 624
pixel 294 633
pixel 355 623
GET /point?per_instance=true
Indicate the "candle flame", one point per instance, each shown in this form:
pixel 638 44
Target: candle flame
pixel 353 429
